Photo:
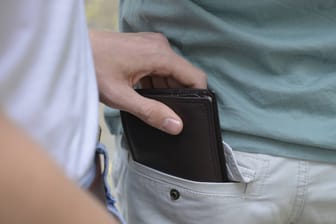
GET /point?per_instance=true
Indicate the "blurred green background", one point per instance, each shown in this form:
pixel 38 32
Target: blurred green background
pixel 102 14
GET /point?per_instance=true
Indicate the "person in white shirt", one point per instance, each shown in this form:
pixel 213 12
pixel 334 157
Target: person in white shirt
pixel 49 105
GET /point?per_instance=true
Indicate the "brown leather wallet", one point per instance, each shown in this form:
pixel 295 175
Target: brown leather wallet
pixel 196 153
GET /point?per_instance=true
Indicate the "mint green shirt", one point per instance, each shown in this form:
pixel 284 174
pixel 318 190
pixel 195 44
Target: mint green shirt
pixel 272 64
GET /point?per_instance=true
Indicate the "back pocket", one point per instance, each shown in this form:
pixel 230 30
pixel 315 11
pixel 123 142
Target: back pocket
pixel 163 198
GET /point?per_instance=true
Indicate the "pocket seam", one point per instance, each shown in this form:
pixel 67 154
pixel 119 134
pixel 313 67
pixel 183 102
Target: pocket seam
pixel 161 180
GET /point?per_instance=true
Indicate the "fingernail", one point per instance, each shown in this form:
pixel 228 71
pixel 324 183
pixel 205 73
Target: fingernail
pixel 172 126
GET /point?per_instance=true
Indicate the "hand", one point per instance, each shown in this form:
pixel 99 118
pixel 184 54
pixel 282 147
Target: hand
pixel 124 59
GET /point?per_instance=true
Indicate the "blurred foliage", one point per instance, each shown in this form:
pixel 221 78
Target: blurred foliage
pixel 102 14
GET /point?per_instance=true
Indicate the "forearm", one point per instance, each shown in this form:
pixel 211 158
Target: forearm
pixel 34 190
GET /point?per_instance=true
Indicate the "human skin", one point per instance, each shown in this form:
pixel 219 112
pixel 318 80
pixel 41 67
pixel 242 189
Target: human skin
pixel 123 59
pixel 33 188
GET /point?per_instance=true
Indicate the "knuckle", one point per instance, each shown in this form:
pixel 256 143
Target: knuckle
pixel 155 44
pixel 157 37
pixel 203 77
pixel 162 64
pixel 203 80
pixel 154 37
pixel 160 38
pixel 159 41
pixel 147 113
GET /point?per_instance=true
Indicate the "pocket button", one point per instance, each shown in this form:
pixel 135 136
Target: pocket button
pixel 174 194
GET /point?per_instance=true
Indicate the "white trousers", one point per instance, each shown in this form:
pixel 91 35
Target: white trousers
pixel 270 190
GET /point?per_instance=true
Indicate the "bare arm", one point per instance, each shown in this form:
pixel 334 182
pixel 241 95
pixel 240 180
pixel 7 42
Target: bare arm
pixel 123 59
pixel 34 190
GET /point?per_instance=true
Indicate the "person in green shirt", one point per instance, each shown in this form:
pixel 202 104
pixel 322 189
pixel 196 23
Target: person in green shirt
pixel 272 65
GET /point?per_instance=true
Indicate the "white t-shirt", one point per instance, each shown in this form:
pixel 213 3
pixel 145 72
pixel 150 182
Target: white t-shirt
pixel 47 81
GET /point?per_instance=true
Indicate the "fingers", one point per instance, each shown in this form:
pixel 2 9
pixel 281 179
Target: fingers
pixel 171 70
pixel 184 72
pixel 149 82
pixel 146 83
pixel 172 83
pixel 162 61
pixel 151 112
pixel 122 60
pixel 159 82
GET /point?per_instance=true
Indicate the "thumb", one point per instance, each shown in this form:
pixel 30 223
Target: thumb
pixel 152 112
